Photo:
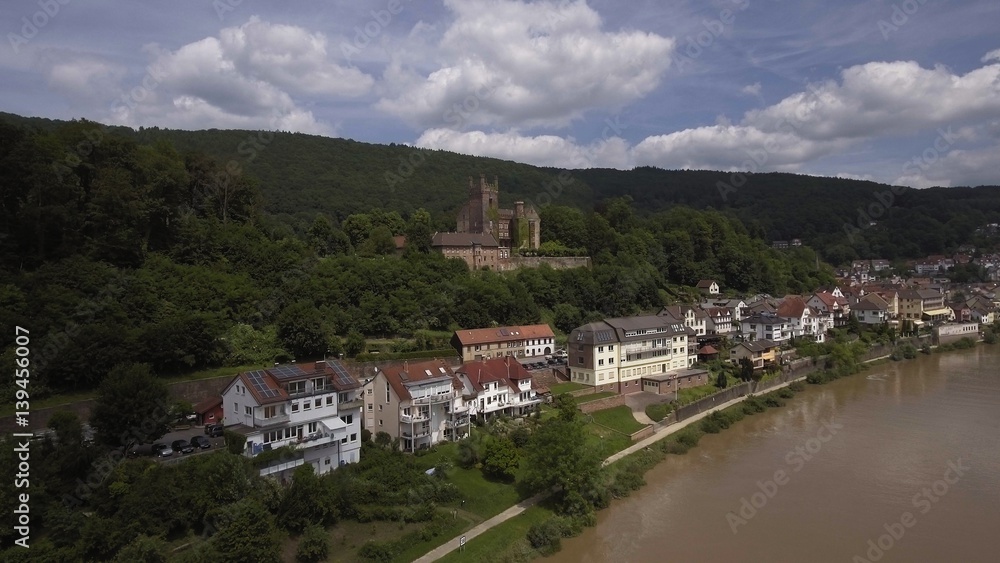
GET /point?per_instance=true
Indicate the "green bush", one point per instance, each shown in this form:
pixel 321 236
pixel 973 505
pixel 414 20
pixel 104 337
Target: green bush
pixel 990 337
pixel 786 393
pixel 753 405
pixel 314 546
pixel 379 552
pixel 546 537
pixel 797 386
pixel 688 439
pixel 772 401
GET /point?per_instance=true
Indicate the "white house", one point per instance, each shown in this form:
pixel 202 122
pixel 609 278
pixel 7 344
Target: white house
pixel 765 326
pixel 710 287
pixel 720 320
pixel 496 387
pixel 313 407
pixel 871 310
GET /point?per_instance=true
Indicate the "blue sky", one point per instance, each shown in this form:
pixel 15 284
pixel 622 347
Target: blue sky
pixel 898 92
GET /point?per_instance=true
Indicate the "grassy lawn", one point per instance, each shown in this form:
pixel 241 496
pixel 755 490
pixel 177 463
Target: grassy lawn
pixel 593 397
pixel 560 388
pixel 658 411
pixel 692 394
pixel 417 549
pixel 618 418
pixel 606 442
pixel 491 545
pixel 483 497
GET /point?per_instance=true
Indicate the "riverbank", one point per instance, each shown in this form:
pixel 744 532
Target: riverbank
pixel 640 457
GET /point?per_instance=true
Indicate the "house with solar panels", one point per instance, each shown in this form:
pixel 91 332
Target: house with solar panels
pixel 314 407
pixel 615 354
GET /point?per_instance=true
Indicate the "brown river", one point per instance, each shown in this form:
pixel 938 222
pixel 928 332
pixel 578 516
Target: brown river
pixel 899 463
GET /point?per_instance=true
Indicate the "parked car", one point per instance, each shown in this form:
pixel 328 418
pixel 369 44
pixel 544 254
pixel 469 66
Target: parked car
pixel 201 442
pixel 214 430
pixel 182 446
pixel 162 450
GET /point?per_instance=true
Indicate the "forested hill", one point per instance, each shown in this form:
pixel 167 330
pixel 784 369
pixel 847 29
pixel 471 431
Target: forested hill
pixel 301 175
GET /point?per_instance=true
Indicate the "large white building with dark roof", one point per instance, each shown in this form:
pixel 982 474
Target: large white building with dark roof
pixel 614 354
pixel 314 407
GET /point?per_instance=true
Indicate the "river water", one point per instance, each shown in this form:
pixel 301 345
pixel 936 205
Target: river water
pixel 900 463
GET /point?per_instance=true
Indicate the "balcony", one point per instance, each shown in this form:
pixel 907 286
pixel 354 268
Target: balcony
pixel 347 405
pixel 418 417
pixel 432 399
pixel 268 422
pixel 457 423
pixel 460 410
pixel 313 441
pixel 417 433
pixel 311 392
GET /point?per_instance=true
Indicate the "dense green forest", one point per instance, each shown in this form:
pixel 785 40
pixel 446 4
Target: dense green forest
pixel 300 175
pixel 115 251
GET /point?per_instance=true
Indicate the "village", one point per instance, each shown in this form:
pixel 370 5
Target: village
pixel 320 409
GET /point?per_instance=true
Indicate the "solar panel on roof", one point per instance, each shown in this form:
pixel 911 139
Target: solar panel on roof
pixel 341 375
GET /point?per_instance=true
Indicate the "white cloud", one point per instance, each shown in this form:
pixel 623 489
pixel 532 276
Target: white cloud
pixel 543 64
pixel 993 55
pixel 84 78
pixel 972 167
pixel 752 89
pixel 251 76
pixel 541 150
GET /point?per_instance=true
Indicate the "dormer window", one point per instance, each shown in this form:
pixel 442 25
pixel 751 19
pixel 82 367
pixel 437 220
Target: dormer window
pixel 296 387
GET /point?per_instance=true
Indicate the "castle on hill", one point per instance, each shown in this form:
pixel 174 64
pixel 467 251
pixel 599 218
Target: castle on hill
pixel 512 228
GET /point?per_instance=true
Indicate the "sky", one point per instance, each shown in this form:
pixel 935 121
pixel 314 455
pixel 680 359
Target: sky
pixel 900 92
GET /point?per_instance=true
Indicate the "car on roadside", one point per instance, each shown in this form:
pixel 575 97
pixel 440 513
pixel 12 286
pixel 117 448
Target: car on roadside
pixel 182 446
pixel 201 442
pixel 162 450
pixel 214 430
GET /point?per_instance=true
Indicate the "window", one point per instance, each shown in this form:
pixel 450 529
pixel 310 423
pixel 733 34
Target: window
pixel 343 440
pixel 295 407
pixel 380 422
pixel 370 409
pixel 288 432
pixel 354 437
pixel 270 412
pixel 600 348
pixel 327 462
pixel 611 348
pixel 329 400
pixel 611 360
pixel 318 403
pixel 478 347
pixel 380 408
pixel 248 410
pixel 236 408
pixel 312 427
pixel 319 383
pixel 306 405
pixel 348 419
pixel 386 393
pixel 369 390
pixel 600 362
pixel 297 387
pixel 343 397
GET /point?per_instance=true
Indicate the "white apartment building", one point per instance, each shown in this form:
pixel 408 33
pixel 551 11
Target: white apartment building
pixel 314 407
pixel 420 403
pixel 614 354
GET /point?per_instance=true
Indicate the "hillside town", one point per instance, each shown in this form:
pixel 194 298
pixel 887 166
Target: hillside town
pixel 322 407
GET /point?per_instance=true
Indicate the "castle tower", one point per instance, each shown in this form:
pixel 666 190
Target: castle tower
pixel 481 213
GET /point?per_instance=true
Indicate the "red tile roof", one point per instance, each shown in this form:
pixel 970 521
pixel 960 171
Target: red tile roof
pixel 506 370
pixel 503 334
pixel 792 308
pixel 398 373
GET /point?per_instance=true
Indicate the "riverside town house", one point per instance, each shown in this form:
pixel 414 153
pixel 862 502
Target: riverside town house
pixel 421 403
pixel 616 354
pixel 518 341
pixel 314 406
